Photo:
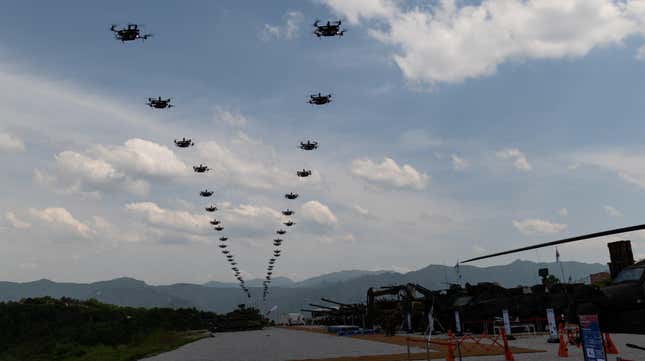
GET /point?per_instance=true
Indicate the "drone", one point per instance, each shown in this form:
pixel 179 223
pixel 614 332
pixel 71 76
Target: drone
pixel 310 145
pixel 288 212
pixel 289 223
pixel 319 99
pixel 223 239
pixel 233 264
pixel 303 173
pixel 329 29
pixel 129 33
pixel 219 228
pixel 222 246
pixel 215 222
pixel 211 208
pixel 291 195
pixel 280 231
pixel 276 243
pixel 201 168
pixel 206 193
pixel 159 103
pixel 184 143
pixel 229 256
pixel 226 251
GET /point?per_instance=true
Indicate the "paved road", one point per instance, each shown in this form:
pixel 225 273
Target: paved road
pixel 275 344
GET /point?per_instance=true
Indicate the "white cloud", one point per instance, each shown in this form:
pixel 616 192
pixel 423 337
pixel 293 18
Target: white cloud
pixel 177 220
pixel 534 226
pixel 11 143
pixel 612 211
pixel 290 29
pixel 15 222
pixel 459 163
pixel 62 217
pixel 95 170
pixel 563 212
pixel 452 41
pixel 519 159
pixel 389 173
pixel 627 164
pixel 231 167
pixel 144 157
pixel 318 212
pixel 361 211
pixel 230 117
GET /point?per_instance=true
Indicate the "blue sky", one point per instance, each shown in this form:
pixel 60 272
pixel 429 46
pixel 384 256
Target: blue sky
pixel 451 134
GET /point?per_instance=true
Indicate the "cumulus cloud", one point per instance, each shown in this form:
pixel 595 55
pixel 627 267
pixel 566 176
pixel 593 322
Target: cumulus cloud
pixel 459 163
pixel 144 157
pixel 612 211
pixel 519 159
pixel 318 212
pixel 538 226
pixel 61 217
pixel 453 41
pixel 232 167
pixel 289 30
pixel 16 222
pixel 173 219
pixel 10 143
pixel 389 173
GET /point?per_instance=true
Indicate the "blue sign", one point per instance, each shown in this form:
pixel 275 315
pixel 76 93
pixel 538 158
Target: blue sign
pixel 592 346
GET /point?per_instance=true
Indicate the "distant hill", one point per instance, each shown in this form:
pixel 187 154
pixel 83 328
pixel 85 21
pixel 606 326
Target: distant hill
pixel 343 286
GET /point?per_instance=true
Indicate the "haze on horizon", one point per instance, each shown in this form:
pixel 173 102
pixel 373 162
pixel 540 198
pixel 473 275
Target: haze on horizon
pixel 455 129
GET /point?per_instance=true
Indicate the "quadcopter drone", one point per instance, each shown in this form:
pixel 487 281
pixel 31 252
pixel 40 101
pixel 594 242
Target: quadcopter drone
pixel 291 195
pixel 201 168
pixel 159 103
pixel 206 193
pixel 303 173
pixel 329 29
pixel 129 32
pixel 310 145
pixel 319 99
pixel 184 143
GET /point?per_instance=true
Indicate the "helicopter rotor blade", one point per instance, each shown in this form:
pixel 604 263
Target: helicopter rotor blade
pixel 561 241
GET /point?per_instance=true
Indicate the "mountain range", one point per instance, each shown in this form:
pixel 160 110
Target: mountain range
pixel 290 296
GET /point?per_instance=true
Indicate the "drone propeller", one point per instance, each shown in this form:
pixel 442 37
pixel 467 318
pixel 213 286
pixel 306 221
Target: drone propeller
pixel 113 27
pixel 316 22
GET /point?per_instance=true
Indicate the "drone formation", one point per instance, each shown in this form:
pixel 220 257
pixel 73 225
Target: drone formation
pixel 131 32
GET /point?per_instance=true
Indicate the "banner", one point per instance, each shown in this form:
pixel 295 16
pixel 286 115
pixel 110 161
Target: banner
pixel 507 321
pixel 553 328
pixel 592 346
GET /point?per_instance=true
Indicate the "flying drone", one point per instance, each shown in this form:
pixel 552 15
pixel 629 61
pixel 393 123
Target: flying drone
pixel 222 246
pixel 215 222
pixel 277 242
pixel 219 228
pixel 128 33
pixel 223 239
pixel 288 212
pixel 206 193
pixel 233 263
pixel 280 231
pixel 310 145
pixel 211 208
pixel 319 99
pixel 303 173
pixel 184 143
pixel 159 103
pixel 201 168
pixel 289 223
pixel 291 195
pixel 226 252
pixel 329 29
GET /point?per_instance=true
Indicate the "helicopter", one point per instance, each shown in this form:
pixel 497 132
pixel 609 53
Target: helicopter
pixel 211 208
pixel 310 145
pixel 206 193
pixel 291 195
pixel 319 99
pixel 280 231
pixel 184 143
pixel 289 223
pixel 329 29
pixel 129 33
pixel 288 212
pixel 159 103
pixel 215 222
pixel 201 168
pixel 223 239
pixel 303 173
pixel 219 228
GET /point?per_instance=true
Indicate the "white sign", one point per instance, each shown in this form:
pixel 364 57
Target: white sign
pixel 553 329
pixel 457 323
pixel 507 321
